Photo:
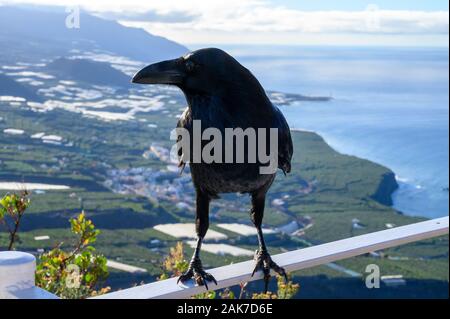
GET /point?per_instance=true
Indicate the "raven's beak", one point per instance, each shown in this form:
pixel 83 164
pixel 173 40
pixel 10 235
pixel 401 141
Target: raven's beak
pixel 166 72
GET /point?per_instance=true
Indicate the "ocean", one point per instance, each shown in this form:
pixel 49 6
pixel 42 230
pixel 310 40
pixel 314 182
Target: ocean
pixel 390 105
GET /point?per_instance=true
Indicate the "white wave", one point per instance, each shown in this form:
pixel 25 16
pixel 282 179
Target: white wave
pixel 401 179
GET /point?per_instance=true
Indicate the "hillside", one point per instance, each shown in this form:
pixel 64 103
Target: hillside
pixel 9 87
pixel 326 189
pixel 88 71
pixel 23 30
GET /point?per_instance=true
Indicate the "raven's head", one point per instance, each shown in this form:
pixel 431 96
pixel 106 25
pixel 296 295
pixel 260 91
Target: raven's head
pixel 205 71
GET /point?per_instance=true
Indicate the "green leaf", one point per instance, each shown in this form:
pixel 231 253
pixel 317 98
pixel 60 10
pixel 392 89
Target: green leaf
pixel 5 201
pixel 88 277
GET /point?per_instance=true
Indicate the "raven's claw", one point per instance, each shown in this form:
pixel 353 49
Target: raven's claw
pixel 264 262
pixel 196 272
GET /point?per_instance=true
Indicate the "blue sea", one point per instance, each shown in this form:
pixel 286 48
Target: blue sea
pixel 390 105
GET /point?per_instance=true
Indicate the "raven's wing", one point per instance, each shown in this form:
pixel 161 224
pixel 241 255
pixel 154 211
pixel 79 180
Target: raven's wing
pixel 185 121
pixel 285 148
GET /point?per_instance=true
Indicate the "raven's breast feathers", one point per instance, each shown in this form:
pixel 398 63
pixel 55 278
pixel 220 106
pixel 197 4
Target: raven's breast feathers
pixel 285 148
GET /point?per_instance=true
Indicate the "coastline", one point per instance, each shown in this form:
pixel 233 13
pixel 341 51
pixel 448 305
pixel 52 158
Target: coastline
pixel 398 121
pixel 388 184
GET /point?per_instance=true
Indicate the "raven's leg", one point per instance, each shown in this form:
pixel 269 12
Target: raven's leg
pixel 195 269
pixel 263 260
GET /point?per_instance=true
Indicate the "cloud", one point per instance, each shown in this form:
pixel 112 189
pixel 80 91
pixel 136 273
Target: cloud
pixel 260 17
pixel 151 16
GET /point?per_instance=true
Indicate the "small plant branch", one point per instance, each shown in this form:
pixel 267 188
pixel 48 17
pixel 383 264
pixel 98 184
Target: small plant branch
pixel 13 206
pixel 12 236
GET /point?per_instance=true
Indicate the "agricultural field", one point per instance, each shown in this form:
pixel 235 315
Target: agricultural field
pixel 108 149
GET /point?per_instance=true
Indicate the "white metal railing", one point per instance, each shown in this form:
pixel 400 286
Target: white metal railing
pixel 234 274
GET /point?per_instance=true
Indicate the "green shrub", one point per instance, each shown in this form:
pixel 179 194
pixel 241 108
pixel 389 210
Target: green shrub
pixel 77 273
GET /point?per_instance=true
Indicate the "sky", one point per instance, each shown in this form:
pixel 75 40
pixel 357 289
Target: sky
pixel 286 22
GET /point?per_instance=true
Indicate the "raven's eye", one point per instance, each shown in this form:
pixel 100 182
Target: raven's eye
pixel 190 66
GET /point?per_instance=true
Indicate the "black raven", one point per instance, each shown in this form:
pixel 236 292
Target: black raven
pixel 222 94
